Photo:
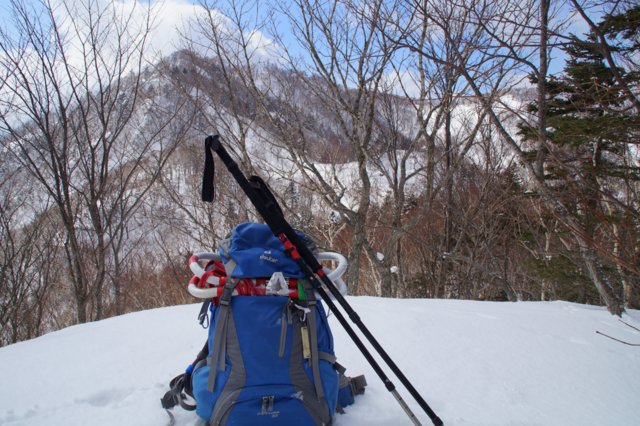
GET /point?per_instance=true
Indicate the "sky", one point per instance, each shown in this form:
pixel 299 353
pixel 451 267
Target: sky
pixel 173 21
pixel 170 19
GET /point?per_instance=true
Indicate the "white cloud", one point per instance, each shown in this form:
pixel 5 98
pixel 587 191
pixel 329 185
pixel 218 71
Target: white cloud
pixel 175 20
pixel 404 82
pixel 171 21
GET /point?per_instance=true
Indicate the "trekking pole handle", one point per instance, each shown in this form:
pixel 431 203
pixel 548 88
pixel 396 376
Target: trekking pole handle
pixel 213 143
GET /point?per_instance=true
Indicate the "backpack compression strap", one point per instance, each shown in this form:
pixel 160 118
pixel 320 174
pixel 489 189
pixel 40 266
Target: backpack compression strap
pixel 313 336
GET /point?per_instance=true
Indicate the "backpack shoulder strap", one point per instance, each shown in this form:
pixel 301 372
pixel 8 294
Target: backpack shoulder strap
pixel 219 347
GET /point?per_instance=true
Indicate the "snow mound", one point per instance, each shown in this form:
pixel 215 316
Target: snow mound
pixel 475 363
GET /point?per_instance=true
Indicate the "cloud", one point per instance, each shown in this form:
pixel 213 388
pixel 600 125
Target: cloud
pixel 174 22
pixel 171 21
pixel 403 82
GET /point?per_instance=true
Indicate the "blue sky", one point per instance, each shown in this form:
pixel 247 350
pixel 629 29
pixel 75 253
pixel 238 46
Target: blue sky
pixel 171 15
pixel 174 13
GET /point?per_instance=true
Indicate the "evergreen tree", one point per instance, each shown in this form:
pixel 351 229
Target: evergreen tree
pixel 591 158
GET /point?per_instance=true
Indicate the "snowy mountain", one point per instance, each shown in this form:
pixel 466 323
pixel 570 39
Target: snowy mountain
pixel 475 363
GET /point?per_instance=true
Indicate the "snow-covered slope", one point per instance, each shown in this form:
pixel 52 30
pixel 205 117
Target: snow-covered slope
pixel 475 363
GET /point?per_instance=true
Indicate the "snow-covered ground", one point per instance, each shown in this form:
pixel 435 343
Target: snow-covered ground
pixel 475 363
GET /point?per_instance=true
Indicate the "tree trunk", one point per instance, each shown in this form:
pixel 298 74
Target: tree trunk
pixel 590 259
pixel 357 246
pixel 542 90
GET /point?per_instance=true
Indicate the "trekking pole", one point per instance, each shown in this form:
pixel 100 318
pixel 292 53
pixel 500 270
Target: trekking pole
pixel 268 207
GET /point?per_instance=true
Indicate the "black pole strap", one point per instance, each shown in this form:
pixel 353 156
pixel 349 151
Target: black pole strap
pixel 268 208
pixel 208 187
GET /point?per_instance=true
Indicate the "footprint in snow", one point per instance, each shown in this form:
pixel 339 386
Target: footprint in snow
pixel 105 397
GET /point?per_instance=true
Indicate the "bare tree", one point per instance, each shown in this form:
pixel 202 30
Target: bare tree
pixel 28 259
pixel 77 117
pixel 341 76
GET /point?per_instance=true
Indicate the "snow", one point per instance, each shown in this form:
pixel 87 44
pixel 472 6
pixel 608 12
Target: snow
pixel 475 363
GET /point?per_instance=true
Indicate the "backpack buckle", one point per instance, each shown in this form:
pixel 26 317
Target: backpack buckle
pixel 277 285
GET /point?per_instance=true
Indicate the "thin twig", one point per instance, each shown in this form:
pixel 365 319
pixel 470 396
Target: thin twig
pixel 618 340
pixel 635 328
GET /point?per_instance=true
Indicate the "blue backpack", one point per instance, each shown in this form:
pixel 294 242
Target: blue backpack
pixel 268 360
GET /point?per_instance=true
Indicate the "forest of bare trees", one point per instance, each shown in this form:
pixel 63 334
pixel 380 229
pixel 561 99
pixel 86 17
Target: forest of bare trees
pixel 465 149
